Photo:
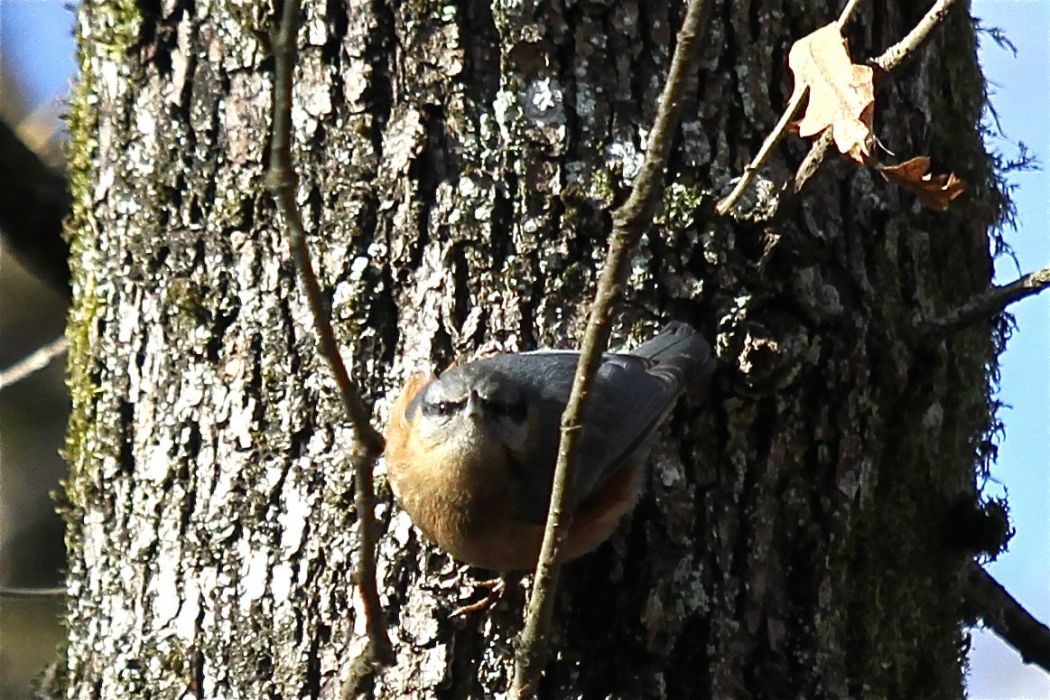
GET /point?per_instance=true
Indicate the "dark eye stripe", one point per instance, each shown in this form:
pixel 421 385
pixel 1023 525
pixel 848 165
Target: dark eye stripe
pixel 515 411
pixel 442 408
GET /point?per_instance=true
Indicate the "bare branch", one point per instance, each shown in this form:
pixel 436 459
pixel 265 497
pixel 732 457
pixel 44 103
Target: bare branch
pixel 34 362
pixel 1001 612
pixel 281 181
pixel 22 592
pixel 630 221
pixel 889 60
pixel 726 204
pixel 816 156
pixel 983 306
pixel 846 13
pixel 34 199
pixel 893 57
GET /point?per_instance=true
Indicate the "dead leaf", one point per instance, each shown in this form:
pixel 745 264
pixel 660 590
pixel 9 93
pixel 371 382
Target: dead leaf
pixel 841 93
pixel 935 191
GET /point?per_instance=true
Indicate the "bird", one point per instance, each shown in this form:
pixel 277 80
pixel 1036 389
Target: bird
pixel 471 454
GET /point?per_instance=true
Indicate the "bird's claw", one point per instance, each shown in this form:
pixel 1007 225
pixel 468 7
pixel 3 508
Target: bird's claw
pixel 497 588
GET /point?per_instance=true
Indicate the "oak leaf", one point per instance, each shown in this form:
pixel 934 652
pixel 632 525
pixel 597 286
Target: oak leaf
pixel 935 191
pixel 841 93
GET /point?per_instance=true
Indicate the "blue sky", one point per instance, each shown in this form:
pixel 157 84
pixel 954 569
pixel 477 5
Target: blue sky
pixel 36 40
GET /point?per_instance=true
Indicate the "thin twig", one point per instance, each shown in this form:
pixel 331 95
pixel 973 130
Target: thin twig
pixel 281 181
pixel 818 152
pixel 34 362
pixel 846 13
pixel 726 204
pixel 985 305
pixel 888 61
pixel 1001 612
pixel 630 221
pixel 894 56
pixel 25 592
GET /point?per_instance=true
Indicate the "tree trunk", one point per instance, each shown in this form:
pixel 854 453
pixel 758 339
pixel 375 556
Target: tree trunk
pixel 457 164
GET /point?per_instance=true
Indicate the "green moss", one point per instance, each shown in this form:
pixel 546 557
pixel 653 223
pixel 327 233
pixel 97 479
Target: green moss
pixel 680 205
pixel 574 203
pixel 86 306
pixel 83 311
pixel 186 297
pixel 120 22
pixel 176 663
pixel 602 187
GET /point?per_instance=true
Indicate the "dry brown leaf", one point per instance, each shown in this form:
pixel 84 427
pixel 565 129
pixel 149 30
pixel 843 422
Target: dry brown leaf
pixel 935 191
pixel 841 93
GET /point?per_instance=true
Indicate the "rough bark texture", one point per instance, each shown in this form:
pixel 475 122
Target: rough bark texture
pixel 456 164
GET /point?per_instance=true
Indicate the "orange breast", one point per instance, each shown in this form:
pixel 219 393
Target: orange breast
pixel 472 517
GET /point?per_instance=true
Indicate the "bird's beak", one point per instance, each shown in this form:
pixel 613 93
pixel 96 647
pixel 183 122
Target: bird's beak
pixel 474 407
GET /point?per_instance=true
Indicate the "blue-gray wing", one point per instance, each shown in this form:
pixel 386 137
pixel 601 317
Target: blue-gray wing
pixel 631 396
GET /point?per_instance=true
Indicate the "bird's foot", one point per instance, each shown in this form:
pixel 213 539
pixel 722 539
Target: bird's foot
pixel 495 589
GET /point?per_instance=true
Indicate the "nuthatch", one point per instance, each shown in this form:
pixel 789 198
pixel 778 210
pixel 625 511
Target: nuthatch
pixel 471 455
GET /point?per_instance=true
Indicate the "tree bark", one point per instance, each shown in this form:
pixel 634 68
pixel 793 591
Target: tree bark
pixel 457 164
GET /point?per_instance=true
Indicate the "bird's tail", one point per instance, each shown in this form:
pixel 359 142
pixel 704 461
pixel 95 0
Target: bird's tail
pixel 679 347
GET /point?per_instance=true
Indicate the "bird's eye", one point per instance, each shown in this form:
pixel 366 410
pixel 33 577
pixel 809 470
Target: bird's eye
pixel 442 409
